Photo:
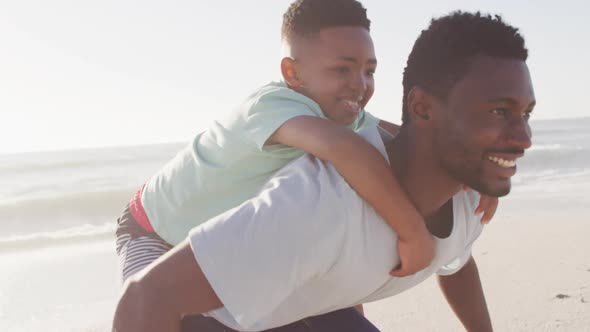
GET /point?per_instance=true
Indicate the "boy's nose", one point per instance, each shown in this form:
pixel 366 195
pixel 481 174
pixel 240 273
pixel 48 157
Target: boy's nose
pixel 359 84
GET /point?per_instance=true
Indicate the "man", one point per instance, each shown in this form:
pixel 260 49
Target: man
pixel 308 245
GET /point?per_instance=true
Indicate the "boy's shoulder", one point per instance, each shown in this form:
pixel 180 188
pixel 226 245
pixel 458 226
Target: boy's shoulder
pixel 279 92
pixel 280 99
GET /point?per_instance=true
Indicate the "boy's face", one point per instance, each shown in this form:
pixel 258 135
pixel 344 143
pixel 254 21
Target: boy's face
pixel 482 128
pixel 335 68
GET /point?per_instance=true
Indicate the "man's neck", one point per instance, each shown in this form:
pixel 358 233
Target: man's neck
pixel 427 184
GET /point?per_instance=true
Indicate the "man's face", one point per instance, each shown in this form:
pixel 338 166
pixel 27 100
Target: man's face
pixel 482 128
pixel 336 68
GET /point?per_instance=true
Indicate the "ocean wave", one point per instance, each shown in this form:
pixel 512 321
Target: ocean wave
pixel 52 213
pixel 79 234
pixel 551 175
pixel 553 147
pixel 88 159
pixel 77 201
pixel 78 164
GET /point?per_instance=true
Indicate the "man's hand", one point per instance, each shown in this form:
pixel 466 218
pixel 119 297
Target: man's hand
pixel 415 252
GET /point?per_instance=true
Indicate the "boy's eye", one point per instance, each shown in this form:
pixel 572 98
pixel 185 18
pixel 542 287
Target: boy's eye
pixel 342 70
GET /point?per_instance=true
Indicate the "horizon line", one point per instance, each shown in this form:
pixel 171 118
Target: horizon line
pixel 137 145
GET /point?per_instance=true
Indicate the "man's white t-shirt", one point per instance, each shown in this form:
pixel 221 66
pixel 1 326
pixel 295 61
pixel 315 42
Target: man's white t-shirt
pixel 308 244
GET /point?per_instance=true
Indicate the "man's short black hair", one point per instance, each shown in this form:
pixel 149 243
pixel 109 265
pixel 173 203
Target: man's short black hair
pixel 442 52
pixel 307 17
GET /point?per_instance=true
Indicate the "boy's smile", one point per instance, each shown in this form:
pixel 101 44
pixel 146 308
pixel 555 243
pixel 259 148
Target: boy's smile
pixel 335 68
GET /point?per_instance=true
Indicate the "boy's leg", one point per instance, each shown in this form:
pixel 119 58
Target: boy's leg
pixel 136 247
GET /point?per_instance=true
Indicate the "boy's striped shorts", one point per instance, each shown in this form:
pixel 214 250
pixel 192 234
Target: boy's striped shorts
pixel 136 247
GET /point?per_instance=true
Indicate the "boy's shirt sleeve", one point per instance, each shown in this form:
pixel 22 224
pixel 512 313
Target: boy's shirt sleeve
pixel 264 114
pixel 365 120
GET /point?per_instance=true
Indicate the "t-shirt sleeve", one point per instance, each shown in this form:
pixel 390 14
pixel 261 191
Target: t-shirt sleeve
pixel 366 120
pixel 271 110
pixel 258 254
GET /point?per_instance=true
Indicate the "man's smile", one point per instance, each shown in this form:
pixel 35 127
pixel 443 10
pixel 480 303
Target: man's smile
pixel 504 163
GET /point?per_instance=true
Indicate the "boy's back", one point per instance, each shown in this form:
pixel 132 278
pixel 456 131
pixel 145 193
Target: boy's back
pixel 228 163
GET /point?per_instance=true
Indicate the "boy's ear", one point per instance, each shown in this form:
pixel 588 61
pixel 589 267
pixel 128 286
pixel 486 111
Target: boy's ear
pixel 420 106
pixel 289 71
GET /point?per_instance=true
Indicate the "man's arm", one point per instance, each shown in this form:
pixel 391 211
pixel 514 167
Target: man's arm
pixel 157 298
pixel 465 295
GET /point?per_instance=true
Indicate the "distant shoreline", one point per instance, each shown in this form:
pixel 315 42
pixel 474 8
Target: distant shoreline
pixel 181 143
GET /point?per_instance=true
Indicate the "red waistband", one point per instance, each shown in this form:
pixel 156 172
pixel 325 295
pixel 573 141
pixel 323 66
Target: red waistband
pixel 138 212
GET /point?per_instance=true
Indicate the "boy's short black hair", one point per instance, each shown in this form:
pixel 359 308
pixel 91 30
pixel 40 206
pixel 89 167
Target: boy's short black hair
pixel 307 17
pixel 442 52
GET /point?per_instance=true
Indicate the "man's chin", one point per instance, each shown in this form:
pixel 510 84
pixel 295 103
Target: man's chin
pixel 493 189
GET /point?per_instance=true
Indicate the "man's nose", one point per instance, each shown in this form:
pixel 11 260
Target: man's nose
pixel 519 133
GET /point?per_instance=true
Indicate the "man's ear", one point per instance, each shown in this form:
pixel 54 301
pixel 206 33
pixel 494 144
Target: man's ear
pixel 420 106
pixel 289 71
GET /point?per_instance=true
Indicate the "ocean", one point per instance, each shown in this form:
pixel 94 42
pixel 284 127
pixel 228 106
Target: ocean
pixel 50 198
pixel 58 211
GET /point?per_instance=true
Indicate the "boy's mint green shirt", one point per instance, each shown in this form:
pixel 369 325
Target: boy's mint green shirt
pixel 228 163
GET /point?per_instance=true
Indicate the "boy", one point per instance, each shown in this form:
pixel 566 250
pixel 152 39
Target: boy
pixel 328 79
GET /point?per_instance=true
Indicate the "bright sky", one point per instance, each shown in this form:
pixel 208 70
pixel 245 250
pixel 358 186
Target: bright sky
pixel 119 72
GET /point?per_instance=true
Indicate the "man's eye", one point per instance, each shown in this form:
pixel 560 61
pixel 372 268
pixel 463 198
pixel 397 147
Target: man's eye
pixel 527 115
pixel 499 111
pixel 371 73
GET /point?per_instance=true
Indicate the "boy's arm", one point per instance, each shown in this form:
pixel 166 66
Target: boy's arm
pixel 360 309
pixel 391 128
pixel 367 171
pixel 465 295
pixel 155 299
pixel 487 206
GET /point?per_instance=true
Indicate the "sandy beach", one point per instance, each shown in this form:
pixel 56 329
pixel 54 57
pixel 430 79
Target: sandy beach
pixel 65 289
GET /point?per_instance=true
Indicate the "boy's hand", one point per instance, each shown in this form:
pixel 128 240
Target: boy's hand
pixel 415 253
pixel 487 206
